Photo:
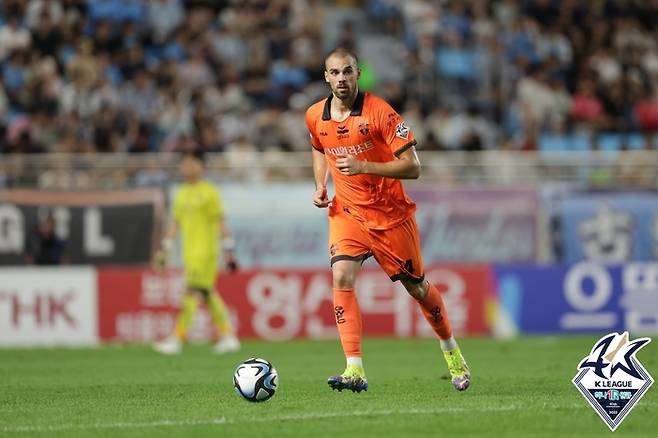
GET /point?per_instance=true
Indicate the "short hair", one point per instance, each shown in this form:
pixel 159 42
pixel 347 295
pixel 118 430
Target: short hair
pixel 342 51
pixel 196 153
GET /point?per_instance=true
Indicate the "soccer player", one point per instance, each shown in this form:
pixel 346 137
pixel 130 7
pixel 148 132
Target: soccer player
pixel 198 213
pixel 366 147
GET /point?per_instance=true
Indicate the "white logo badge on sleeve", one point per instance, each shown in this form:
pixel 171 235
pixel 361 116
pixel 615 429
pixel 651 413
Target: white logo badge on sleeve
pixel 402 131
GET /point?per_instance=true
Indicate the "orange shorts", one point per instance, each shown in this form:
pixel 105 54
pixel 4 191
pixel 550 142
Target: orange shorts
pixel 397 249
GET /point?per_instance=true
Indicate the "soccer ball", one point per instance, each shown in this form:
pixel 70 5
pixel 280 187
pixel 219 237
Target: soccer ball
pixel 255 380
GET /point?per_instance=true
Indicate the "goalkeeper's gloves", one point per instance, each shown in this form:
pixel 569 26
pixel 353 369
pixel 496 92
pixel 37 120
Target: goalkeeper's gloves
pixel 161 258
pixel 228 245
pixel 231 262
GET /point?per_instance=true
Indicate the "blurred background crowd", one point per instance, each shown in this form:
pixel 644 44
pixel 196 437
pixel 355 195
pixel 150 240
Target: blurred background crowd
pixel 235 76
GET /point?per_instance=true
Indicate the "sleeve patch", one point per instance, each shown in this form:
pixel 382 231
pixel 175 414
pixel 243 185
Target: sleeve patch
pixel 402 131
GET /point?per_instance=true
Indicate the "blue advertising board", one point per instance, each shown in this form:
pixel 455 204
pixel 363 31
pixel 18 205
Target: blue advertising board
pixel 609 227
pixel 583 297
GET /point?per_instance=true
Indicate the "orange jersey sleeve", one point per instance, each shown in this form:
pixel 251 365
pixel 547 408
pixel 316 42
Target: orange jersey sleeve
pixel 394 131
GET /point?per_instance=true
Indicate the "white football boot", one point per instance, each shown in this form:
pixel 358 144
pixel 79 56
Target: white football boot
pixel 170 345
pixel 227 344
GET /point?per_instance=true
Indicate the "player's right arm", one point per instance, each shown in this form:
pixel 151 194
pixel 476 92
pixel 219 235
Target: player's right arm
pixel 321 174
pixel 161 257
pixel 320 168
pixel 170 234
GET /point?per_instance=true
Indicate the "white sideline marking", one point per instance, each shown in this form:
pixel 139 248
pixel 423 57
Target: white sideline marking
pixel 224 420
pixel 117 425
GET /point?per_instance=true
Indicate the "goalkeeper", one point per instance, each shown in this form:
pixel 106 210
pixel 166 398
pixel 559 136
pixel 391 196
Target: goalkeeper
pixel 198 214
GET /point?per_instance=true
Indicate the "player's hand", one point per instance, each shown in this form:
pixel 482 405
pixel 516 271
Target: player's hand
pixel 348 165
pixel 320 198
pixel 231 262
pixel 160 260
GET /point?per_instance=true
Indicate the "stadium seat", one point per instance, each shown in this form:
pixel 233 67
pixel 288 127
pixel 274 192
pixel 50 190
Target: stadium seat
pixel 580 142
pixel 553 143
pixel 635 141
pixel 609 142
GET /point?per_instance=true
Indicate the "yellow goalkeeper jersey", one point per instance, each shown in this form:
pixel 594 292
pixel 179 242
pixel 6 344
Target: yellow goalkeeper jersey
pixel 198 209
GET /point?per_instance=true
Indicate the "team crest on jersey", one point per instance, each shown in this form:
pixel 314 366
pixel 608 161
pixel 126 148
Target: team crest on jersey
pixel 364 128
pixel 612 379
pixel 402 131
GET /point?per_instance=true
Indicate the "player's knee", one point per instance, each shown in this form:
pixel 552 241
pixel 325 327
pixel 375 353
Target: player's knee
pixel 343 278
pixel 415 289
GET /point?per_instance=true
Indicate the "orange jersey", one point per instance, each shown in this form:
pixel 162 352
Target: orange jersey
pixel 372 132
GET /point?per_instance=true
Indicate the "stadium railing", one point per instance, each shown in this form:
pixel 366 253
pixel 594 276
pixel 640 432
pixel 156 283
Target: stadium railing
pixel 500 168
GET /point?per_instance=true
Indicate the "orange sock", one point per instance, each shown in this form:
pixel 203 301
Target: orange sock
pixel 435 313
pixel 348 321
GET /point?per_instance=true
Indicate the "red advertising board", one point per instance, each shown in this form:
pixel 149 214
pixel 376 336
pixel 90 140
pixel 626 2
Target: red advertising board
pixel 138 305
pixel 48 306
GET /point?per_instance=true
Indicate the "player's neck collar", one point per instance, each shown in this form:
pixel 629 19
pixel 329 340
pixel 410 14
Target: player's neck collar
pixel 357 108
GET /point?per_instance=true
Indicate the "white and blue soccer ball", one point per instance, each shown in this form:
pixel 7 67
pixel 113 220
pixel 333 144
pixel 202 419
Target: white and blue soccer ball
pixel 255 380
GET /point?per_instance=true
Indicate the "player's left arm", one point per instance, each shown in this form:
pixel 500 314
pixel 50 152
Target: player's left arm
pixel 228 243
pixel 228 246
pixel 390 127
pixel 405 166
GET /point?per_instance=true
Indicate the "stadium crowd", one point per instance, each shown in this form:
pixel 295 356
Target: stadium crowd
pixel 235 77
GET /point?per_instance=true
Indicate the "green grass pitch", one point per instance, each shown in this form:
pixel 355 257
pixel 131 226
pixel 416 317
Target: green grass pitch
pixel 520 388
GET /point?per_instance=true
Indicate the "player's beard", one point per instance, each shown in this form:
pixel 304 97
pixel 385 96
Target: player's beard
pixel 346 93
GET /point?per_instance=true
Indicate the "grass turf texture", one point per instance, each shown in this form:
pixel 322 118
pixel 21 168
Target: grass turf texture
pixel 520 388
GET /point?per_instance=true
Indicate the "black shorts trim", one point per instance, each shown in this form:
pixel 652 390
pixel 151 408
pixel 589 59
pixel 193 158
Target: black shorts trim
pixel 362 258
pixel 408 277
pixel 404 148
